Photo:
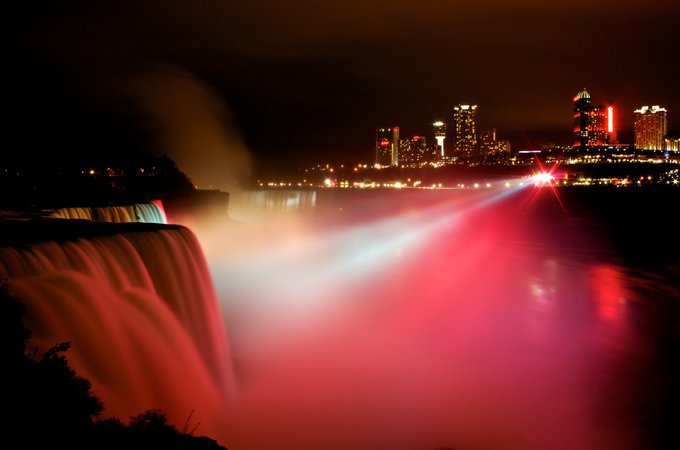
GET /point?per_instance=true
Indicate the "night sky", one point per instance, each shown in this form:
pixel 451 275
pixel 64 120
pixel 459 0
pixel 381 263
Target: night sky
pixel 214 82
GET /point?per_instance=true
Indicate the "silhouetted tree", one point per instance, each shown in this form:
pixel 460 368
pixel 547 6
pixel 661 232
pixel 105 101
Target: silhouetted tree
pixel 45 403
pixel 44 398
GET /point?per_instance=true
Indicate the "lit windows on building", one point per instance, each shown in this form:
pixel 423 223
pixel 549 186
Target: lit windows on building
pixel 590 122
pixel 387 146
pixel 650 128
pixel 413 152
pixel 581 118
pixel 491 149
pixel 465 138
pixel 439 136
pixel 672 144
pixel 598 126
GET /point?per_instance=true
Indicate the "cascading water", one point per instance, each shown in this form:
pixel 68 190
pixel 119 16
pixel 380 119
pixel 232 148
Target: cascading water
pixel 152 212
pixel 74 212
pixel 138 305
pixel 254 206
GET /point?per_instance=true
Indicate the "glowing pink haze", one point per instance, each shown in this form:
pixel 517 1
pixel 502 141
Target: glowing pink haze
pixel 417 320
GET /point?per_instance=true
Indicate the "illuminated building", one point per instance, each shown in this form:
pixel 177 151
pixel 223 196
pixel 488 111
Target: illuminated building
pixel 387 146
pixel 581 109
pixel 598 126
pixel 491 149
pixel 612 138
pixel 465 138
pixel 650 128
pixel 590 122
pixel 439 136
pixel 413 152
pixel 672 144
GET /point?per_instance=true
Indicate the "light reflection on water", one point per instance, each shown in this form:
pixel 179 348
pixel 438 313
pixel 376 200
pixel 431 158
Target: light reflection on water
pixel 423 321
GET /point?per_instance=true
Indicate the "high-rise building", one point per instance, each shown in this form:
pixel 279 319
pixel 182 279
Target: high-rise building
pixel 491 149
pixel 387 146
pixel 598 126
pixel 413 152
pixel 465 138
pixel 650 128
pixel 581 110
pixel 590 122
pixel 672 144
pixel 439 136
pixel 612 137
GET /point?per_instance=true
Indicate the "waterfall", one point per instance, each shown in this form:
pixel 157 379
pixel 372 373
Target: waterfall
pixel 152 212
pixel 74 212
pixel 283 200
pixel 140 310
pixel 260 206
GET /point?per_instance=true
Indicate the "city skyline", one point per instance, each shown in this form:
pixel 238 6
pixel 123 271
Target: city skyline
pixel 227 83
pixel 595 126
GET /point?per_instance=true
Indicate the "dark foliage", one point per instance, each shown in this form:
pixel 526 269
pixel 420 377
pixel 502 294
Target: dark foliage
pixel 46 403
pixel 95 182
pixel 43 395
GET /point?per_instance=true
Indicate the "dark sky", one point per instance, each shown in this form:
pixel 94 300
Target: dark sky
pixel 303 80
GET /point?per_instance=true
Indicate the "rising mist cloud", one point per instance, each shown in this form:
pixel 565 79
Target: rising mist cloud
pixel 192 126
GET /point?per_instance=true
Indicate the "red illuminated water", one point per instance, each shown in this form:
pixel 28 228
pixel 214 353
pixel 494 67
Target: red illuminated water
pixel 141 313
pixel 439 319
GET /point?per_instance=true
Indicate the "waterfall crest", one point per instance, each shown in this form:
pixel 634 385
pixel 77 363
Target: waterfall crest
pixel 152 212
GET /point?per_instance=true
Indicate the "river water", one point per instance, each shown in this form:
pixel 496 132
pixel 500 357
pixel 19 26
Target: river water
pixel 533 318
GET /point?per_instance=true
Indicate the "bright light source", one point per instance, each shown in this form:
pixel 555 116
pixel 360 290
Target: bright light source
pixel 542 178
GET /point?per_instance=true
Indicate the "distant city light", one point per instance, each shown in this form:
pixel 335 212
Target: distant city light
pixel 542 178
